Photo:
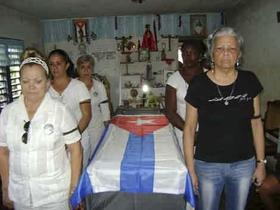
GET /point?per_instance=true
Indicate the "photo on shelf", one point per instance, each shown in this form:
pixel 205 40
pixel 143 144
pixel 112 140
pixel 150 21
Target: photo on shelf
pixel 131 81
pixel 167 74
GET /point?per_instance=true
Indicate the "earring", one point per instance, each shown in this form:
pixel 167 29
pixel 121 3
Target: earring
pixel 237 63
pixel 212 64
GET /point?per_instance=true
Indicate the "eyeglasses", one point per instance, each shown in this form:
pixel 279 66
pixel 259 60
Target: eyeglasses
pixel 25 135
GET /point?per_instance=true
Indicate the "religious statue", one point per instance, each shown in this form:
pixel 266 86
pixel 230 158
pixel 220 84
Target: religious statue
pixel 148 39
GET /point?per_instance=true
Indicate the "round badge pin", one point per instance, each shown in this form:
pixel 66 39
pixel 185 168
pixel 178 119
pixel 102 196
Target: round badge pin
pixel 48 129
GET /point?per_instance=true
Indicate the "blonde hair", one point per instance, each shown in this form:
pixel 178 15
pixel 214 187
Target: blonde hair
pixel 32 56
pixel 31 52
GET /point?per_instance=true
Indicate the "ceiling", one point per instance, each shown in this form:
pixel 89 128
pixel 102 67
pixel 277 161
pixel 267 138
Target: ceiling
pixel 57 9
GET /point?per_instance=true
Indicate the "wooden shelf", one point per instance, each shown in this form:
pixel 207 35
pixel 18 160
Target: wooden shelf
pixel 128 75
pixel 124 88
pixel 130 52
pixel 126 62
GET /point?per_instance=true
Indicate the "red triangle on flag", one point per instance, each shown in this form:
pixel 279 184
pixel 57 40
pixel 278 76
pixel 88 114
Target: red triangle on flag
pixel 140 125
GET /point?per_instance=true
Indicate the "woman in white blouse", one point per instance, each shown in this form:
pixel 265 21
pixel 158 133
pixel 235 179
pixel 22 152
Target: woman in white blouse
pixel 35 169
pixel 71 92
pixel 177 86
pixel 99 99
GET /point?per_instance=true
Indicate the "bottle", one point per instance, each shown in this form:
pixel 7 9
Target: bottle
pixel 163 54
pixel 149 71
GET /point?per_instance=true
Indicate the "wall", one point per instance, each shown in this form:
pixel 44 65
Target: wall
pixel 17 25
pixel 256 20
pixel 104 49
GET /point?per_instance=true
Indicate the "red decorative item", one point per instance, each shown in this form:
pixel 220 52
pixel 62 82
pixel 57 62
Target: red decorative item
pixel 168 60
pixel 148 39
pixel 140 125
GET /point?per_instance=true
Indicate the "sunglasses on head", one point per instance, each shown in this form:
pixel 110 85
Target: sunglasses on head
pixel 25 135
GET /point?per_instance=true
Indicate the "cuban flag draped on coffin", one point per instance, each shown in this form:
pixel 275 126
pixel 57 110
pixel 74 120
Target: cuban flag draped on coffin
pixel 137 153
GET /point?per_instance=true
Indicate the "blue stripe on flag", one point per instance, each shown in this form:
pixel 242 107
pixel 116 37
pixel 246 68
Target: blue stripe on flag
pixel 189 194
pixel 138 164
pixel 83 189
pixel 99 143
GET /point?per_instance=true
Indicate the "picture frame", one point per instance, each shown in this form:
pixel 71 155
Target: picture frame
pixel 166 75
pixel 81 30
pixel 198 25
pixel 131 81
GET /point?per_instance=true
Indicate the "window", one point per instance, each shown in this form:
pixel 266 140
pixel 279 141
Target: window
pixel 10 89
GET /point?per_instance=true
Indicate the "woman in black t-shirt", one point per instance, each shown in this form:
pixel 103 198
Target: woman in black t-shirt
pixel 225 103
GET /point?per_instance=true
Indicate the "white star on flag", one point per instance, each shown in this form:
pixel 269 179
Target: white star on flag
pixel 140 125
pixel 140 121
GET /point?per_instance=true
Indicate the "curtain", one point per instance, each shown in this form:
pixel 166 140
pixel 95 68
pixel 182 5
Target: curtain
pixel 109 27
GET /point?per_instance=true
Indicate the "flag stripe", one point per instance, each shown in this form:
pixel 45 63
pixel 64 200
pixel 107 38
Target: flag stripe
pixel 169 166
pixel 189 194
pixel 98 144
pixel 83 189
pixel 138 164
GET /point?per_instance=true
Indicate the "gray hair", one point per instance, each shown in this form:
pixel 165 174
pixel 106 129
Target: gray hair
pixel 84 59
pixel 224 31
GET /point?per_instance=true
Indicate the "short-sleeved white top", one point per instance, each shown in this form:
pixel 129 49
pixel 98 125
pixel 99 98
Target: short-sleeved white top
pixel 39 171
pixel 177 82
pixel 75 93
pixel 99 104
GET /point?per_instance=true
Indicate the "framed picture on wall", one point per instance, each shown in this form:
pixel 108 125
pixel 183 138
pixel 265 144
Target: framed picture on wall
pixel 81 30
pixel 198 25
pixel 166 75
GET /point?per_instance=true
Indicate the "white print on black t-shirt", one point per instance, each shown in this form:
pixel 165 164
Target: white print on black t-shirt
pixel 241 97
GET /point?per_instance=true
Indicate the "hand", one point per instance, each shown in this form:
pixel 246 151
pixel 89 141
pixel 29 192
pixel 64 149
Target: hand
pixel 81 206
pixel 194 182
pixel 6 200
pixel 259 174
pixel 72 190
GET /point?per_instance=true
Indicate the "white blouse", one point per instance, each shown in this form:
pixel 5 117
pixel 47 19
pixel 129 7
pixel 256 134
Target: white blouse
pixel 75 93
pixel 39 171
pixel 99 104
pixel 177 82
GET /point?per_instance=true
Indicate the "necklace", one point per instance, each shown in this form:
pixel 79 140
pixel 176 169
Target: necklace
pixel 228 97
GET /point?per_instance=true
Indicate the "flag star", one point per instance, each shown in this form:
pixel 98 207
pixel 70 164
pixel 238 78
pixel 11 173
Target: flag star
pixel 139 121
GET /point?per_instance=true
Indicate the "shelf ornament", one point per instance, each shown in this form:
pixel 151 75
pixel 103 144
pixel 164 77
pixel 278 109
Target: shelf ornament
pixel 148 41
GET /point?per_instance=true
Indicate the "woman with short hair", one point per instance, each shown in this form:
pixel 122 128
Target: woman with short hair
pixel 230 142
pixel 99 99
pixel 35 169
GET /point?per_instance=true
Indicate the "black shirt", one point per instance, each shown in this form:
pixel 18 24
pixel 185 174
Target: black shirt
pixel 225 133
